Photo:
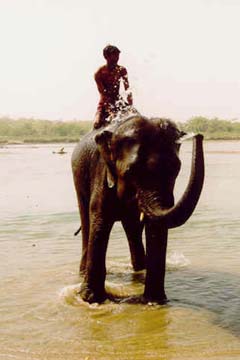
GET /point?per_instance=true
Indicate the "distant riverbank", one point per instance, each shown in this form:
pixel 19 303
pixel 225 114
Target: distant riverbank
pixel 41 131
pixel 24 131
pixel 60 140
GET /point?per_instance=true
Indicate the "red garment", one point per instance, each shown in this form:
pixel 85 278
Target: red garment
pixel 107 109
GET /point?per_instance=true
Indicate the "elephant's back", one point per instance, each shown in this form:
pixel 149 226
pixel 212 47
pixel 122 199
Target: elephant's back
pixel 85 154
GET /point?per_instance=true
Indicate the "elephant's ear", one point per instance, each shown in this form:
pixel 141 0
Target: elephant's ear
pixel 103 140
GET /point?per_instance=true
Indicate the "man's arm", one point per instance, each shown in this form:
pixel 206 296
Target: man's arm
pixel 126 85
pixel 99 83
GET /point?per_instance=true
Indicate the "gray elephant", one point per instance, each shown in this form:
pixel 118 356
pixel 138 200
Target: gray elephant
pixel 126 172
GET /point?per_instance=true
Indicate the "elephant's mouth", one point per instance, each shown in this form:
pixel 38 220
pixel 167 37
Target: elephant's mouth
pixel 152 199
pixel 153 206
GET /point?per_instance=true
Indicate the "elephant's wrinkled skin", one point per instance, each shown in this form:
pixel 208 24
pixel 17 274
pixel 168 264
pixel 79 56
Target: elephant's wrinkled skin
pixel 120 172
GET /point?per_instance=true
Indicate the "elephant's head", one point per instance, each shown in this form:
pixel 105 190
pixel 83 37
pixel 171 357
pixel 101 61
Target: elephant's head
pixel 142 160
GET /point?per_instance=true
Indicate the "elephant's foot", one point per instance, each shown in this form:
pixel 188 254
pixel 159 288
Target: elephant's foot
pixel 92 296
pixel 160 298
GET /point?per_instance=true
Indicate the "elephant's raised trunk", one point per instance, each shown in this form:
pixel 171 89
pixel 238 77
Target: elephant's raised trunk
pixel 178 214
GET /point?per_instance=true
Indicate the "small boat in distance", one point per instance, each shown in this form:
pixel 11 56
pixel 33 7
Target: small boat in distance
pixel 61 151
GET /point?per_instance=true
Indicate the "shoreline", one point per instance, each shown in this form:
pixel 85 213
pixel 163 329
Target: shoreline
pixel 75 140
pixel 35 142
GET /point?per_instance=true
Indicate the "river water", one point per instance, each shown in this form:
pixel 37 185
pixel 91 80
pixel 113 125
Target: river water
pixel 41 315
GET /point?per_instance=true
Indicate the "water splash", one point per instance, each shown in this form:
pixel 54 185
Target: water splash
pixel 122 281
pixel 70 295
pixel 121 109
pixel 177 260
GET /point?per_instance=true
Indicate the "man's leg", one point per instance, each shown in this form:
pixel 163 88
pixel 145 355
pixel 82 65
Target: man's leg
pixel 101 115
pixel 97 120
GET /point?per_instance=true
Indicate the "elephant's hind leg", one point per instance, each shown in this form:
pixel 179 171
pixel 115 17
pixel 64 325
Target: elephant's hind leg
pixel 84 214
pixel 133 229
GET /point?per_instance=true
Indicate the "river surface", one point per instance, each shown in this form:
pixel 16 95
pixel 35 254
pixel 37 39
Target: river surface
pixel 41 314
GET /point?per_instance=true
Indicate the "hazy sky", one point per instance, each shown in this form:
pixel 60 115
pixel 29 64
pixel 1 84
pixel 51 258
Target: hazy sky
pixel 182 56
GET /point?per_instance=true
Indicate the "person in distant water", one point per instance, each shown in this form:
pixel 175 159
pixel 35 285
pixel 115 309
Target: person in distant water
pixel 108 78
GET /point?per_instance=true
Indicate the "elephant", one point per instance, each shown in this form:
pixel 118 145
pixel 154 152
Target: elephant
pixel 126 172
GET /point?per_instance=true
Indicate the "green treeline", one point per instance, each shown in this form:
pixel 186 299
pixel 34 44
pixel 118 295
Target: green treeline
pixel 42 131
pixel 212 129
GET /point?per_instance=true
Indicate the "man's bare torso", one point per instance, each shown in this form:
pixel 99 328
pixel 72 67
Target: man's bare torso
pixel 110 80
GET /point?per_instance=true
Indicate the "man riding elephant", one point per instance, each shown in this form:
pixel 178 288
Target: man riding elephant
pixel 108 79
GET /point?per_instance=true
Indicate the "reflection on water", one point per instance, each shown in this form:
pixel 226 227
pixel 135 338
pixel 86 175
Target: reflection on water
pixel 41 314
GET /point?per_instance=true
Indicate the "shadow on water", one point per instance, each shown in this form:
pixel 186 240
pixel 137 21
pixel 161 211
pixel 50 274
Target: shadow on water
pixel 216 292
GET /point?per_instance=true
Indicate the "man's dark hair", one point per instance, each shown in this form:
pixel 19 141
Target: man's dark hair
pixel 110 49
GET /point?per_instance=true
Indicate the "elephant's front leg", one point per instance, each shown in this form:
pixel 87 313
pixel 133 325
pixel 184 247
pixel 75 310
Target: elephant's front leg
pixel 156 247
pixel 93 289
